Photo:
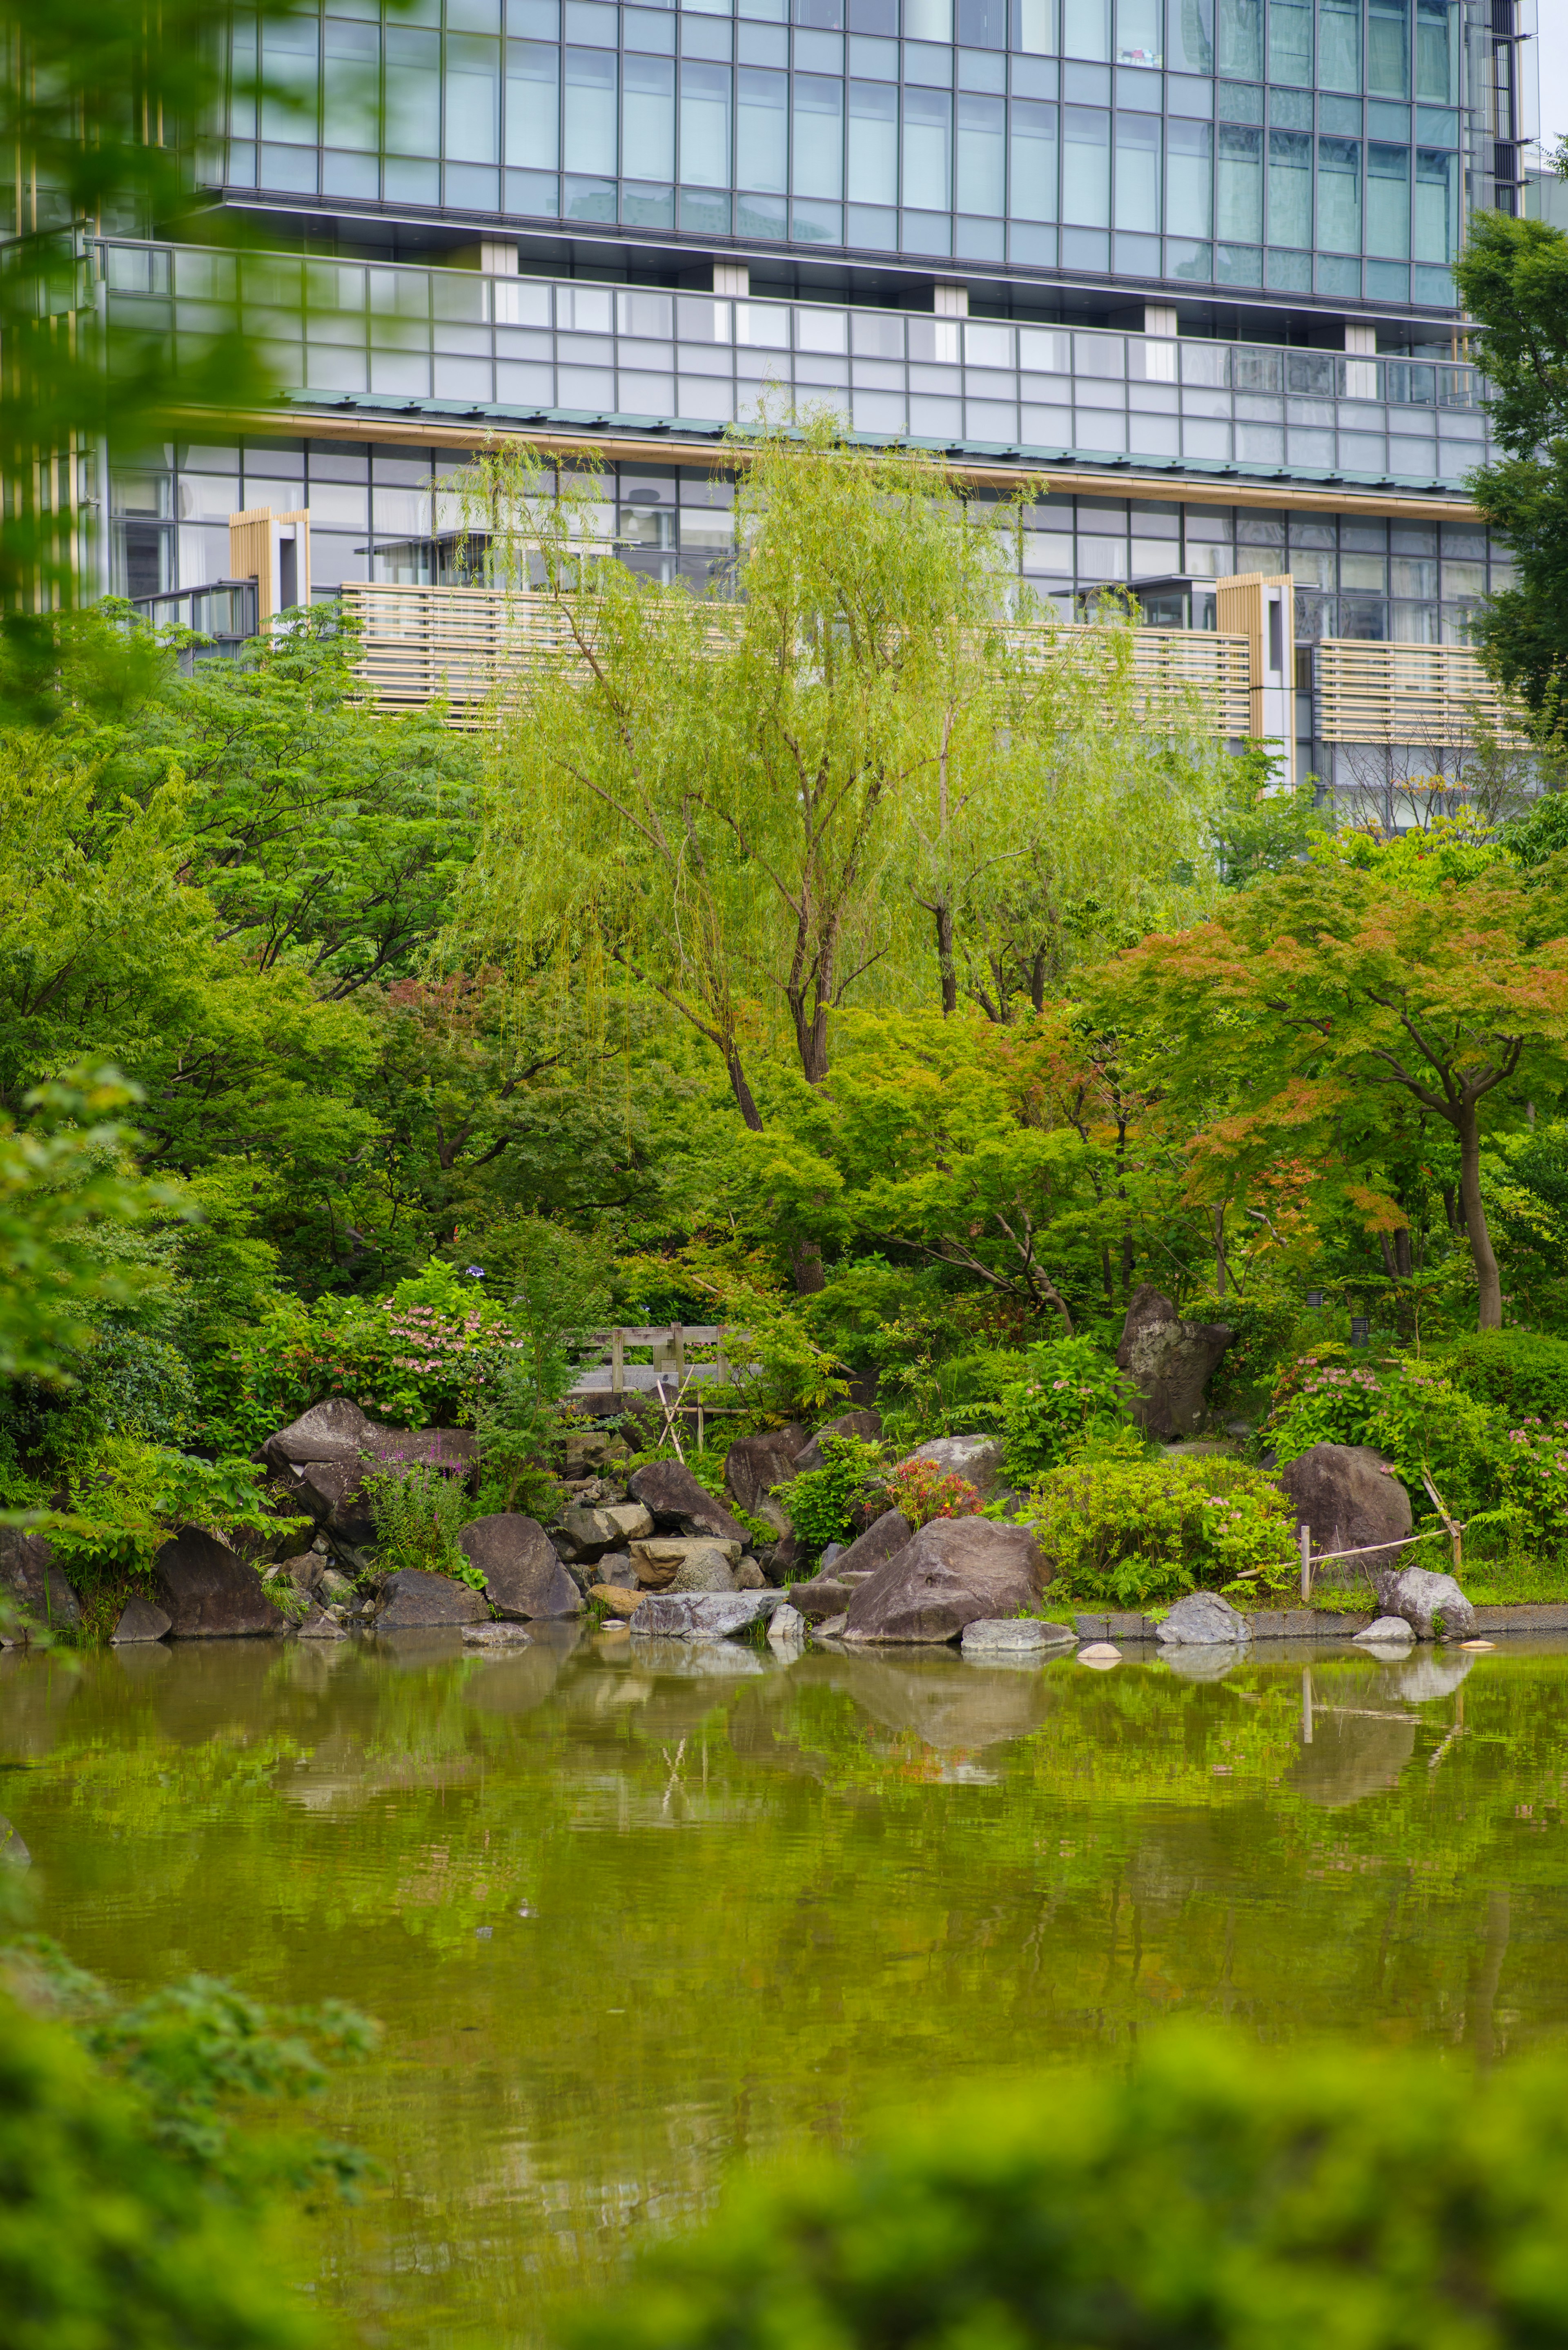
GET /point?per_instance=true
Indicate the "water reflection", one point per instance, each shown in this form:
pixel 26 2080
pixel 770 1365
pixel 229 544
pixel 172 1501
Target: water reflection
pixel 631 1909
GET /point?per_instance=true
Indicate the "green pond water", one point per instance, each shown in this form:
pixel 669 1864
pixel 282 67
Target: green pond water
pixel 629 1918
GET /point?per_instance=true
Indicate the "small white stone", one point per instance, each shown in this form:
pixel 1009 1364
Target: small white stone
pixel 1388 1632
pixel 1478 1644
pixel 788 1623
pixel 1100 1654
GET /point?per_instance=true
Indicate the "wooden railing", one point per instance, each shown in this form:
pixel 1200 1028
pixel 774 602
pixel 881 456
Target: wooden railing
pixel 609 1376
pixel 465 646
pixel 1435 695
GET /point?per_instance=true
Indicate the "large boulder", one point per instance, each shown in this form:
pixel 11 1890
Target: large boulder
pixel 1203 1620
pixel 320 1461
pixel 704 1568
pixel 29 1575
pixel 866 1425
pixel 671 1492
pixel 1349 1498
pixel 702 1615
pixel 949 1573
pixel 882 1538
pixel 333 1492
pixel 1007 1638
pixel 208 1594
pixel 1432 1604
pixel 414 1601
pixel 976 1459
pixel 754 1464
pixel 334 1430
pixel 522 1573
pixel 1169 1362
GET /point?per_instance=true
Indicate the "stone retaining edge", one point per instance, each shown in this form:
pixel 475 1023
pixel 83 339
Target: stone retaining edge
pixel 1319 1624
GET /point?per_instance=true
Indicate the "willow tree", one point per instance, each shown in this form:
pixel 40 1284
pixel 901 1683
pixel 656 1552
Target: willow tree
pixel 714 792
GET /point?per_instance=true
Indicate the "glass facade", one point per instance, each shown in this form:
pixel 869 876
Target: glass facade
pixel 457 343
pixel 1270 146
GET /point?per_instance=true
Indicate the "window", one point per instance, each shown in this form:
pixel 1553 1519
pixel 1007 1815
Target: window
pixel 1240 39
pixel 1239 198
pixel 1339 195
pixel 818 136
pixel 1290 188
pixel 982 155
pixel 1033 142
pixel 1438 51
pixel 1086 30
pixel 1436 205
pixel 351 92
pixel 288 68
pixel 1188 151
pixel 473 98
pixel 1138 172
pixel 1290 42
pixel 1388 201
pixel 1389 49
pixel 648 119
pixel 1339 45
pixel 1189 47
pixel 928 142
pixel 1086 175
pixel 590 140
pixel 762 130
pixel 1138 41
pixel 532 130
pixel 414 91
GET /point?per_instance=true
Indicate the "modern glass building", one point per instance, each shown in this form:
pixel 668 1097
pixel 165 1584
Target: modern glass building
pixel 1184 264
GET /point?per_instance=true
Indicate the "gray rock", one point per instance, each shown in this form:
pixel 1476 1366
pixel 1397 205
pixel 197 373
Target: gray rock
pixel 830 1628
pixel 702 1615
pixel 334 1430
pixel 671 1492
pixel 140 1620
pixel 659 1559
pixel 304 1572
pixel 705 1568
pixel 831 1553
pixel 865 1424
pixel 591 1532
pixel 786 1624
pixel 630 1520
pixel 322 1459
pixel 496 1635
pixel 522 1574
pixel 319 1624
pixel 1169 1362
pixel 754 1464
pixel 976 1459
pixel 413 1601
pixel 1349 1498
pixel 823 1596
pixel 208 1594
pixel 1388 1631
pixel 881 1540
pixel 29 1575
pixel 1432 1604
pixel 1203 1620
pixel 333 1492
pixel 951 1573
pixel 334 1589
pixel 454 1449
pixel 749 1577
pixel 1014 1636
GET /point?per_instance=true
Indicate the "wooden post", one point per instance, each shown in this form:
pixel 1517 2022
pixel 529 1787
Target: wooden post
pixel 1307 1705
pixel 618 1361
pixel 1306 1569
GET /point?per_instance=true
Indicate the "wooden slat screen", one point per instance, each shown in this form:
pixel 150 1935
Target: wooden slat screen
pixel 1410 694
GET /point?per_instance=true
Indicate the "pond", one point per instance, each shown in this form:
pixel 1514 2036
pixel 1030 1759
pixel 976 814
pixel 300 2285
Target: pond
pixel 631 1915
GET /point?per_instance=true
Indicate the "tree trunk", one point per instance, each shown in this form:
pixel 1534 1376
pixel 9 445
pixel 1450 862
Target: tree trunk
pixel 943 914
pixel 751 1114
pixel 1217 1218
pixel 806 1263
pixel 1403 1263
pixel 1489 1281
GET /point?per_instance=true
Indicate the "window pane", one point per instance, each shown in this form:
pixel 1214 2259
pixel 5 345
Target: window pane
pixel 928 142
pixel 1389 49
pixel 1241 41
pixel 982 155
pixel 647 118
pixel 1290 42
pixel 705 125
pixel 533 135
pixel 1138 39
pixel 1339 195
pixel 288 69
pixel 1138 172
pixel 1086 30
pixel 472 98
pixel 1290 188
pixel 1187 150
pixel 1034 135
pixel 762 127
pixel 1034 27
pixel 351 91
pixel 818 136
pixel 590 140
pixel 1436 205
pixel 414 91
pixel 1438 51
pixel 1339 43
pixel 1087 179
pixel 1190 36
pixel 872 143
pixel 1239 201
pixel 1388 202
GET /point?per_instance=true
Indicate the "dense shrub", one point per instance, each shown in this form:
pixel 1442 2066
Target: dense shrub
pixel 1522 1373
pixel 1265 1321
pixel 1066 1388
pixel 821 1505
pixel 1210 2194
pixel 1130 1532
pixel 922 1492
pixel 418 1514
pixel 1404 1409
